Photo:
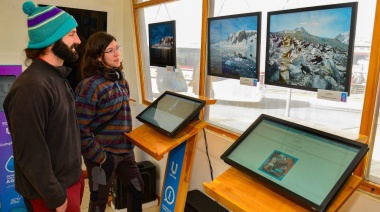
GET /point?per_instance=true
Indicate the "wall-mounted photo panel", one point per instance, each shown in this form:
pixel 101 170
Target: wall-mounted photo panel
pixel 162 46
pixel 234 46
pixel 311 48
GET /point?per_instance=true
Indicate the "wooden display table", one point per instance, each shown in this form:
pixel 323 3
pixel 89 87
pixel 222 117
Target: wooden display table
pixel 240 192
pixel 157 144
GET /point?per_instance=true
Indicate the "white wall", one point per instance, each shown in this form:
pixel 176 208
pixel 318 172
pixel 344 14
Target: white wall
pixel 120 24
pixel 14 36
pixel 130 60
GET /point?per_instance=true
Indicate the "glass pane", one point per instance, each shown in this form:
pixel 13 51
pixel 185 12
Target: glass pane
pixel 188 24
pixel 245 103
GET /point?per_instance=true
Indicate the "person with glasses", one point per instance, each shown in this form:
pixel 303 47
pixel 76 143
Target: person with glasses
pixel 40 111
pixel 104 115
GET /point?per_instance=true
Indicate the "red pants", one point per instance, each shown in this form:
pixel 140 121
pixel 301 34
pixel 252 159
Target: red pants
pixel 74 199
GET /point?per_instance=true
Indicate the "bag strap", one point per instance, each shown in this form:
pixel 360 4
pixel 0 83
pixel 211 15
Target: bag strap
pixel 98 129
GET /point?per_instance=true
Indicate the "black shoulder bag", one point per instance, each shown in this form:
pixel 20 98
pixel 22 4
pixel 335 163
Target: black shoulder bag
pixel 98 129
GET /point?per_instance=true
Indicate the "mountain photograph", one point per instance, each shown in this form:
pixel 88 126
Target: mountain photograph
pixel 162 49
pixel 310 50
pixel 234 45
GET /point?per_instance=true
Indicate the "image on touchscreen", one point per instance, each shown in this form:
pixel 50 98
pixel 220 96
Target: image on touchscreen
pixel 278 164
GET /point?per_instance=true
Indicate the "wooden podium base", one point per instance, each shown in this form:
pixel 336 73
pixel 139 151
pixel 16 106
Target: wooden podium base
pixel 240 192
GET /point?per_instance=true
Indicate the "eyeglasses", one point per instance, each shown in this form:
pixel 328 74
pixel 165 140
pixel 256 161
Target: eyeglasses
pixel 113 51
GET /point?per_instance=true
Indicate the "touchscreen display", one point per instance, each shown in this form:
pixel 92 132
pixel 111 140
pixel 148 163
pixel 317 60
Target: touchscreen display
pixel 304 163
pixel 171 112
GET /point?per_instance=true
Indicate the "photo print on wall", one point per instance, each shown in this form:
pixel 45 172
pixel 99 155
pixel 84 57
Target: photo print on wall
pixel 311 48
pixel 234 46
pixel 162 45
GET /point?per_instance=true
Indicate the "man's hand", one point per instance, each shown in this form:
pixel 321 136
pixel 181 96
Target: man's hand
pixel 63 207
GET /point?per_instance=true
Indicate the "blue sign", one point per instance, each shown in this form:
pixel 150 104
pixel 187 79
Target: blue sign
pixel 10 200
pixel 172 178
pixel 343 97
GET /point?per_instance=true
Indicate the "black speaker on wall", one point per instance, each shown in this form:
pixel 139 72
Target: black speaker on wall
pixel 148 173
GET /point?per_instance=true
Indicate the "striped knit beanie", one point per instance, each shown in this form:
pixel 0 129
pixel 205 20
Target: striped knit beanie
pixel 46 25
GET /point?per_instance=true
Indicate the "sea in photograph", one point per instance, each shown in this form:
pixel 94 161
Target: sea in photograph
pixel 162 57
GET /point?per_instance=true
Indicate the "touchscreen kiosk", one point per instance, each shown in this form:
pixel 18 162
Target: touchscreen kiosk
pixel 171 112
pixel 302 164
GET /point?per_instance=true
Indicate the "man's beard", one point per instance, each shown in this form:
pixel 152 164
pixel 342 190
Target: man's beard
pixel 64 52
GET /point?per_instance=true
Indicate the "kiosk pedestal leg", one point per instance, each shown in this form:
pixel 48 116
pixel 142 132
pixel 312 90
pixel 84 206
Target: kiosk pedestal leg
pixel 177 176
pixel 180 151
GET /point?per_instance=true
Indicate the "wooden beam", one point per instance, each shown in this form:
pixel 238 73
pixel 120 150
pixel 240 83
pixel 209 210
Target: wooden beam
pixel 151 3
pixel 369 105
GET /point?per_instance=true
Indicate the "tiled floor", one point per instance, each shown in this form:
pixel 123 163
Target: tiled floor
pixel 86 199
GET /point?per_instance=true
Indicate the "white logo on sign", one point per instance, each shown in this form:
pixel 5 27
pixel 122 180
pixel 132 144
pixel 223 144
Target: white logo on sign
pixel 169 195
pixel 9 165
pixel 173 170
pixel 16 200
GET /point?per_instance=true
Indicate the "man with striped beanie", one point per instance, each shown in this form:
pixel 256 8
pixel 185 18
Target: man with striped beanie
pixel 40 110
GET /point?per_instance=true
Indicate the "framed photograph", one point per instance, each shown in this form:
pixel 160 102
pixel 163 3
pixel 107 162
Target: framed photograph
pixel 162 46
pixel 311 48
pixel 234 46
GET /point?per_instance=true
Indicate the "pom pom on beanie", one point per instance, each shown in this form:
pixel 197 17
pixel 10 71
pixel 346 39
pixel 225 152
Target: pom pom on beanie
pixel 28 7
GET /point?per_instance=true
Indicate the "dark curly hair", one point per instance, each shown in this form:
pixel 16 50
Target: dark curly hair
pixel 95 47
pixel 32 54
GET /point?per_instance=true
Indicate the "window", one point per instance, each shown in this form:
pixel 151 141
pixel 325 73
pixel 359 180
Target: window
pixel 246 103
pixel 249 102
pixel 188 21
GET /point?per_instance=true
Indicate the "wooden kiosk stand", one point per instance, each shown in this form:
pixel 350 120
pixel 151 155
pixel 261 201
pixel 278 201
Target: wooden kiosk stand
pixel 181 151
pixel 240 192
